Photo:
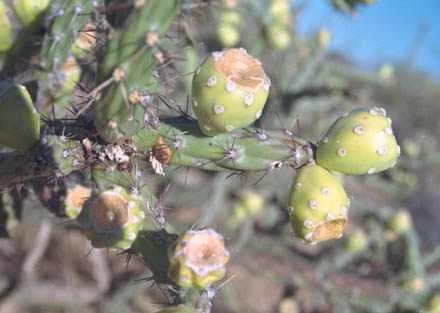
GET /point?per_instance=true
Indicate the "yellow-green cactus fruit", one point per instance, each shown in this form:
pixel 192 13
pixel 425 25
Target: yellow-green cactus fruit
pixel 6 30
pixel 198 259
pixel 181 308
pixel 112 218
pixel 29 11
pixel 359 142
pixel 400 222
pixel 288 305
pixel 19 121
pixel 229 90
pixel 228 35
pixel 318 205
pixel 356 241
pixel 74 200
pixel 278 36
pixel 85 42
pixel 323 37
pixel 279 11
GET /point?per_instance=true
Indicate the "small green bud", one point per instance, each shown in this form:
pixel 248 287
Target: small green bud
pixel 279 11
pixel 29 11
pixel 278 36
pixel 359 142
pixel 356 241
pixel 228 35
pixel 112 218
pixel 229 91
pixel 323 37
pixel 198 259
pixel 19 121
pixel 400 222
pixel 410 148
pixel 318 205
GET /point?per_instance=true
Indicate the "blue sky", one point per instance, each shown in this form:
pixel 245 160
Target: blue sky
pixel 381 33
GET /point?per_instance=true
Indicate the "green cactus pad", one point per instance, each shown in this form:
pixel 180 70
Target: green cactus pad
pixel 359 142
pixel 229 91
pixel 318 205
pixel 19 121
pixel 197 259
pixel 112 218
pixel 29 11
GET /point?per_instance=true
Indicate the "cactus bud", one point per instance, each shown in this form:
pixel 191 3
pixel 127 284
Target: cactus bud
pixel 318 205
pixel 323 37
pixel 85 42
pixel 19 121
pixel 112 218
pixel 356 241
pixel 400 222
pixel 359 142
pixel 288 305
pixel 231 17
pixel 75 198
pixel 230 89
pixel 228 35
pixel 279 10
pixel 197 259
pixel 278 36
pixel 29 11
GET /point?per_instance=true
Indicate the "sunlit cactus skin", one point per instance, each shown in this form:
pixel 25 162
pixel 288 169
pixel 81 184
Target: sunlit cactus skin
pixel 318 205
pixel 359 142
pixel 198 259
pixel 112 218
pixel 19 121
pixel 29 11
pixel 229 91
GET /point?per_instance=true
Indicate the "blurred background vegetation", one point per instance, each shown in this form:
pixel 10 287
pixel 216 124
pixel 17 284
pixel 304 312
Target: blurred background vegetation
pixel 314 53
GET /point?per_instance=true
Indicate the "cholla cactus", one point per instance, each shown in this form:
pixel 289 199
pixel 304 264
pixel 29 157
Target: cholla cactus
pixel 198 259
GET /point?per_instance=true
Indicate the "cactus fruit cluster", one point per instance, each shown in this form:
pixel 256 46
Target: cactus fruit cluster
pixel 117 130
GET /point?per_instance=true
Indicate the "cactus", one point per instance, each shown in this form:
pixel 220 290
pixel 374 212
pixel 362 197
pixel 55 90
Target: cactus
pixel 111 123
pixel 229 91
pixel 197 259
pixel 318 205
pixel 360 142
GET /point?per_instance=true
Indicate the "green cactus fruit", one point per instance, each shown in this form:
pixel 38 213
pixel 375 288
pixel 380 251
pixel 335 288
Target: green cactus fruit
pixel 359 142
pixel 318 205
pixel 356 241
pixel 229 91
pixel 323 37
pixel 400 222
pixel 6 31
pixel 19 121
pixel 85 42
pixel 197 259
pixel 112 218
pixel 279 11
pixel 181 308
pixel 232 17
pixel 228 35
pixel 74 200
pixel 29 11
pixel 288 305
pixel 278 36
